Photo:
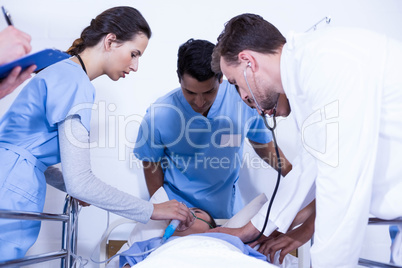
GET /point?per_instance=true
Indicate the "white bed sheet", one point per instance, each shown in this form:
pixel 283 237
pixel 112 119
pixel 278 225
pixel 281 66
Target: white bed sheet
pixel 200 251
pixel 211 256
pixel 196 247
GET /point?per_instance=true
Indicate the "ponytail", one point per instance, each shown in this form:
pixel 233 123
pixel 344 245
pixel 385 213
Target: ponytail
pixel 124 22
pixel 77 47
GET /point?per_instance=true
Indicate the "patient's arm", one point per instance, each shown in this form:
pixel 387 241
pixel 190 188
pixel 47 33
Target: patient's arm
pixel 246 233
pixel 268 154
pixel 154 176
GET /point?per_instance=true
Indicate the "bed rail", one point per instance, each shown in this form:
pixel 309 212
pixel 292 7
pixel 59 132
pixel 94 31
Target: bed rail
pixel 69 234
pixel 377 221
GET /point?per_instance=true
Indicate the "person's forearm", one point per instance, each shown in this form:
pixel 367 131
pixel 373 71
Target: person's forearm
pixel 310 223
pixel 286 166
pixel 154 176
pixel 267 152
pixel 248 232
pixel 303 215
pixel 82 184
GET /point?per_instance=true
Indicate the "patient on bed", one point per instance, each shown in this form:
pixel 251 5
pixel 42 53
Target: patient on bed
pixel 203 222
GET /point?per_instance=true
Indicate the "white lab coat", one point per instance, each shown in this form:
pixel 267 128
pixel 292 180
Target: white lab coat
pixel 295 191
pixel 345 90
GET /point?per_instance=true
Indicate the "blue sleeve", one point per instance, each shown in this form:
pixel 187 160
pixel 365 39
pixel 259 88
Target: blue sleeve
pixel 256 128
pixel 139 251
pixel 69 92
pixel 136 248
pixel 149 146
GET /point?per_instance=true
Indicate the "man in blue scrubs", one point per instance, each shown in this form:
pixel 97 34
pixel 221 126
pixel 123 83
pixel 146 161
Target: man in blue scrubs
pixel 191 140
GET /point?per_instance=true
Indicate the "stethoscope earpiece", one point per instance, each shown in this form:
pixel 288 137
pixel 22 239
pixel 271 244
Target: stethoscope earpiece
pixel 261 111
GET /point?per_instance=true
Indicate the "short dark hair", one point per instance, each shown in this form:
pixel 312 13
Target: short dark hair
pixel 246 31
pixel 125 22
pixel 194 58
pixel 212 221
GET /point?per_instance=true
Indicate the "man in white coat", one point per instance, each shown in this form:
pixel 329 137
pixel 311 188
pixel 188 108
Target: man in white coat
pixel 344 88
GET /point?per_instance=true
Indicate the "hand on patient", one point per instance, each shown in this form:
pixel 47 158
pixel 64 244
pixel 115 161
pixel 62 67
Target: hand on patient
pixel 286 243
pixel 293 239
pixel 172 210
pixel 202 222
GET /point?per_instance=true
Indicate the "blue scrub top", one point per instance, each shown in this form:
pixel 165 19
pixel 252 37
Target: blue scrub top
pixel 29 144
pixel 53 94
pixel 201 156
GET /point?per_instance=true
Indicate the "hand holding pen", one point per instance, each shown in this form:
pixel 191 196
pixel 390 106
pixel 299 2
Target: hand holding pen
pixel 13 45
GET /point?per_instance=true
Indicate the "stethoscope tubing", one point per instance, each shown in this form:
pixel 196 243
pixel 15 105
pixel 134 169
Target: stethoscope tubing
pixel 277 155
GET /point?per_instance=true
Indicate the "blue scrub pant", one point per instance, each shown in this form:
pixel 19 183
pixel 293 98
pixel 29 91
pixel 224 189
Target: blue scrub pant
pixel 22 188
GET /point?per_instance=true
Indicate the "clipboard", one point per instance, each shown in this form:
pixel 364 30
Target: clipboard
pixel 41 59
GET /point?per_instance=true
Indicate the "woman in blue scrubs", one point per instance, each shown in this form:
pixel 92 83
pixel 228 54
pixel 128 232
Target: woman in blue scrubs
pixel 49 122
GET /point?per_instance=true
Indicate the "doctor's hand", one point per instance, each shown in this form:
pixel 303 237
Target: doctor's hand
pixel 246 233
pixel 14 79
pixel 172 210
pixel 286 243
pixel 264 239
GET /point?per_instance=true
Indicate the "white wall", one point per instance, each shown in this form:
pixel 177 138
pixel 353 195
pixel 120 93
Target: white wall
pixel 121 104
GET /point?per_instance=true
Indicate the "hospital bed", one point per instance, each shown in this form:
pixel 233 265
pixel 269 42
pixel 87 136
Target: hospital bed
pixel 186 251
pixel 377 221
pixel 142 232
pixel 69 219
pixel 109 247
pixel 68 250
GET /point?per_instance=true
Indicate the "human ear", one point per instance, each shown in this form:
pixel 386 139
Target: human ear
pixel 110 38
pixel 248 60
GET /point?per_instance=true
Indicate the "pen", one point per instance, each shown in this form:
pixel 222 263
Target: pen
pixel 7 16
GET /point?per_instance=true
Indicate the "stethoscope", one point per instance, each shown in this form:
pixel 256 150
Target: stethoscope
pixel 276 151
pixel 258 106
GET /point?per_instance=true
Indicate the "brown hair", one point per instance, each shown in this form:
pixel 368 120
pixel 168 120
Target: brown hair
pixel 246 31
pixel 124 22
